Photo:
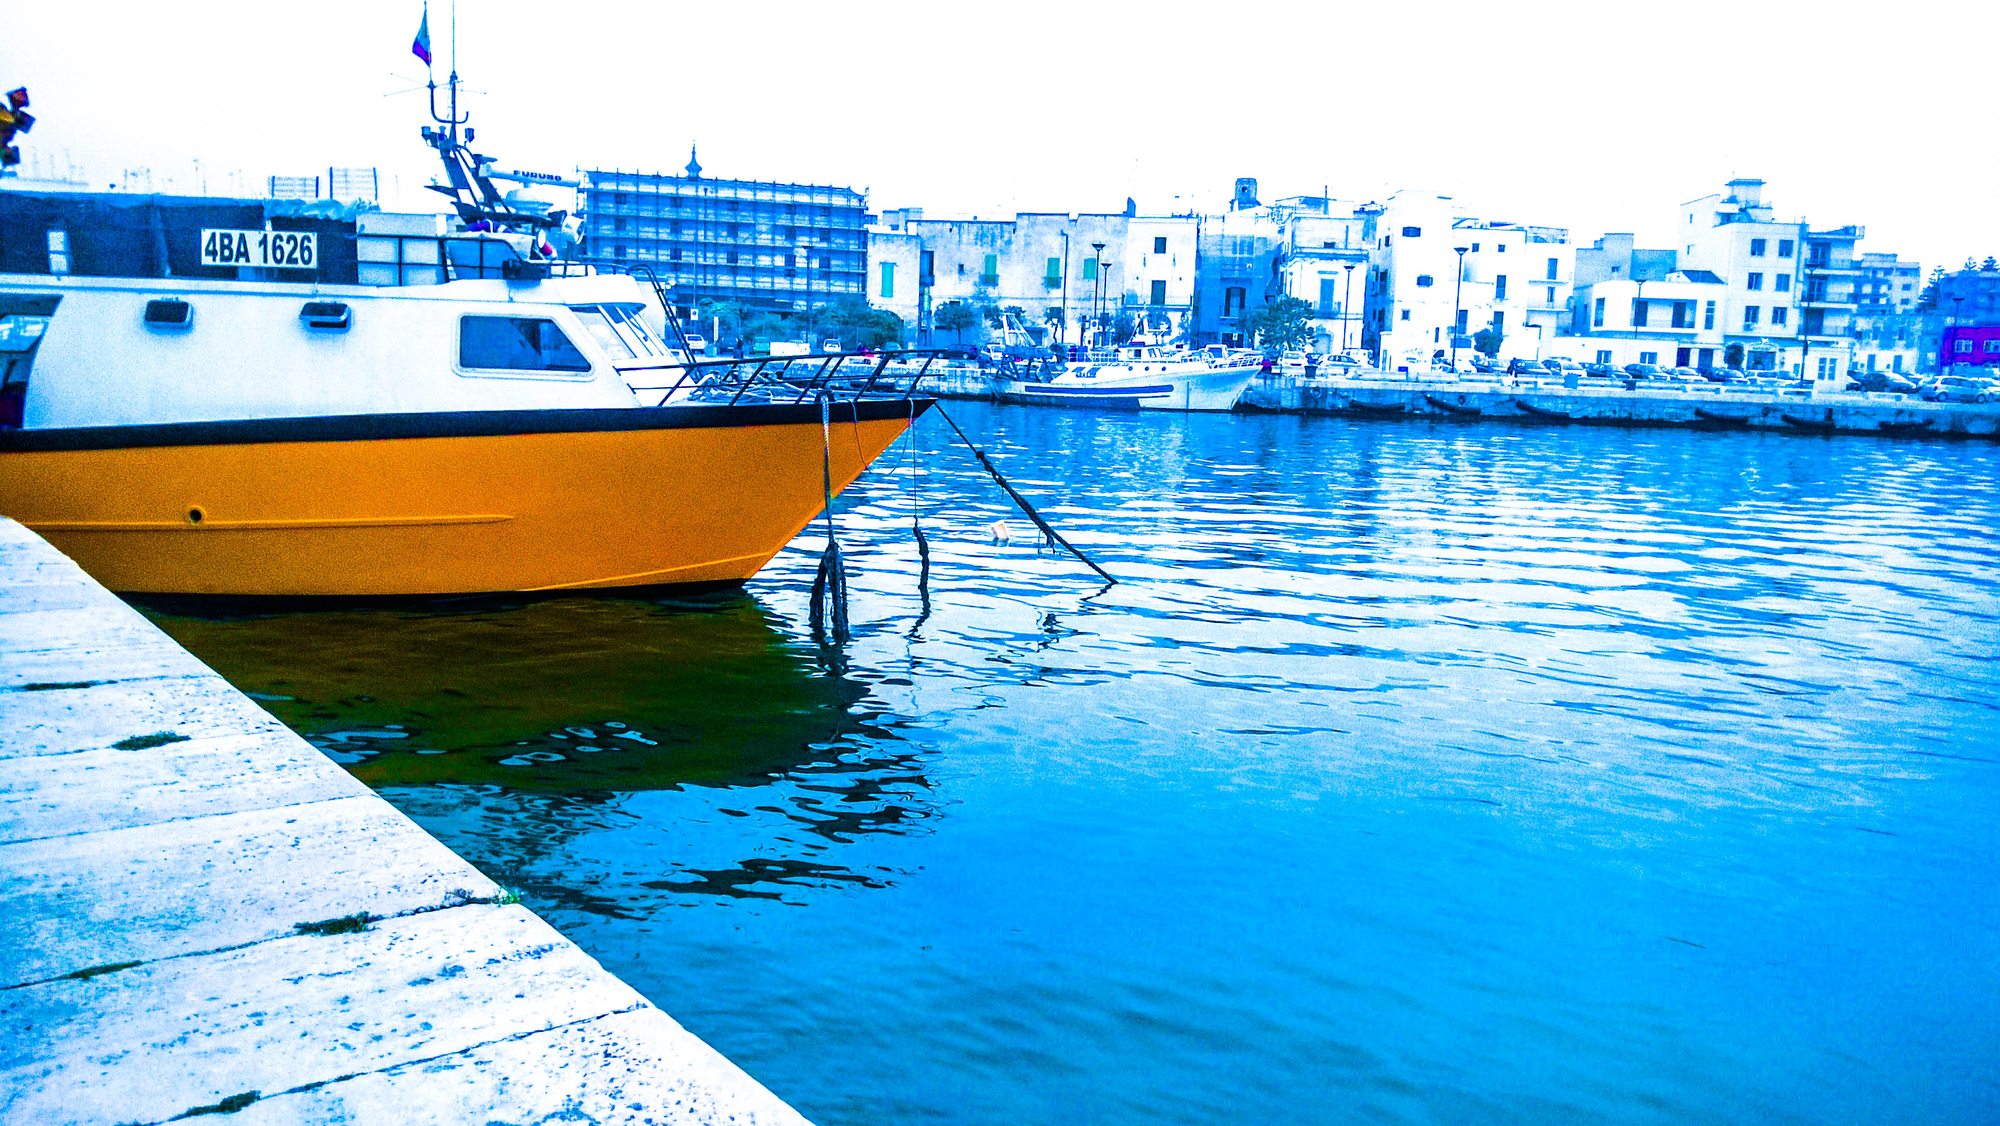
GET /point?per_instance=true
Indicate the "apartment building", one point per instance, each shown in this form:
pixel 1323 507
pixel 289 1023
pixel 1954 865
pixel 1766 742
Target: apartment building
pixel 1742 289
pixel 762 244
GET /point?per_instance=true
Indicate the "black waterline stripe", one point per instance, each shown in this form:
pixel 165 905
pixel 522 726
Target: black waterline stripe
pixel 450 424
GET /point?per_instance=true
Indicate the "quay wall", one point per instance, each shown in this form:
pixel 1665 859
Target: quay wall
pixel 205 915
pixel 1711 406
pixel 1702 406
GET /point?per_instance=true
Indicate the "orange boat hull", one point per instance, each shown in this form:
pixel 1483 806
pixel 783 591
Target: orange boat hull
pixel 305 509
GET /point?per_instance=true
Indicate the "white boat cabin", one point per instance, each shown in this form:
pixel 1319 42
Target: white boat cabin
pixel 107 351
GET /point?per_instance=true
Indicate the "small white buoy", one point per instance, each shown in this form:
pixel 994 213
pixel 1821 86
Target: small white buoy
pixel 1000 532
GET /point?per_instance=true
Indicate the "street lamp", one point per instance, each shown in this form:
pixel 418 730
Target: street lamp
pixel 1457 308
pixel 1346 307
pixel 1096 295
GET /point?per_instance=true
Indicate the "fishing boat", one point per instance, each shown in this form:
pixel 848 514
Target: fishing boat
pixel 488 417
pixel 1142 377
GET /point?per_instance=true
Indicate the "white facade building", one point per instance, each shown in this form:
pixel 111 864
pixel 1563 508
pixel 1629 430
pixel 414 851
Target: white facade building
pixel 1440 274
pixel 1049 265
pixel 1773 295
pixel 1318 259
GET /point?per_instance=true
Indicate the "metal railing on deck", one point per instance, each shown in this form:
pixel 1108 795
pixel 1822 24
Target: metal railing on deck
pixel 792 379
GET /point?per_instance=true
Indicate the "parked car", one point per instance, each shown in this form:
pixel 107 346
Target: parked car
pixel 1724 374
pixel 1885 381
pixel 1518 366
pixel 1957 389
pixel 1645 371
pixel 1482 362
pixel 1684 373
pixel 697 343
pixel 1561 364
pixel 1604 371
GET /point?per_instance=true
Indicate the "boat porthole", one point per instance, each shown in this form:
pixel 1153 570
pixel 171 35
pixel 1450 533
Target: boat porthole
pixel 196 515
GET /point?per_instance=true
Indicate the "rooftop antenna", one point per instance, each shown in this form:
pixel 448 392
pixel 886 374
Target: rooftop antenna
pixel 471 190
pixel 423 51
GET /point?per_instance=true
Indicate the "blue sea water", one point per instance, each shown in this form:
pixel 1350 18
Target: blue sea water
pixel 1412 773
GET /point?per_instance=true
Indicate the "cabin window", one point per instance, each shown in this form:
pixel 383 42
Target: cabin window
pixel 598 325
pixel 517 344
pixel 1160 244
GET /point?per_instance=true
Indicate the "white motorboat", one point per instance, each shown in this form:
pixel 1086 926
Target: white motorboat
pixel 1143 377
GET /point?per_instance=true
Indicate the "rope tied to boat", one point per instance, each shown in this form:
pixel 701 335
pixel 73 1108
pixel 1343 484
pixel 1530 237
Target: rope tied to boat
pixel 1027 509
pixel 916 516
pixel 829 590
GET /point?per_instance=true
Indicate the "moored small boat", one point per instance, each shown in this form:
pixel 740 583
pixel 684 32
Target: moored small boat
pixel 1142 377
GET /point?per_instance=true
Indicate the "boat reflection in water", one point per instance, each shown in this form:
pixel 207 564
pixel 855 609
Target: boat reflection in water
pixel 512 730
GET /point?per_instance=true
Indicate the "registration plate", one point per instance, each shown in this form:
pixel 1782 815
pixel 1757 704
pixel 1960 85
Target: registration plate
pixel 285 250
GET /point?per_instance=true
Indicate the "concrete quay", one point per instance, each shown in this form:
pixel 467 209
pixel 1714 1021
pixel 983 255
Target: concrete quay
pixel 206 916
pixel 1706 406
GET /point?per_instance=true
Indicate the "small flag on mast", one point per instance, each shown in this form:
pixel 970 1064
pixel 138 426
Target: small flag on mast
pixel 421 48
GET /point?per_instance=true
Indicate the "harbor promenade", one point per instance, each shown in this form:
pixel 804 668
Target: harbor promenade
pixel 1612 403
pixel 1600 402
pixel 205 915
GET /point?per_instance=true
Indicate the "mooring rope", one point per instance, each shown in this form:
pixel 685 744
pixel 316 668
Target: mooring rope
pixel 916 517
pixel 831 583
pixel 1026 508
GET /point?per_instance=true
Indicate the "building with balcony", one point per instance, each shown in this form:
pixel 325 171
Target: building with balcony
pixel 1440 273
pixel 1668 320
pixel 1789 300
pixel 1318 256
pixel 1237 267
pixel 762 244
pixel 1313 248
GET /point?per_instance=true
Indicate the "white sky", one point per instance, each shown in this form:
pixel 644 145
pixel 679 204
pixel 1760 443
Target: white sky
pixel 1592 116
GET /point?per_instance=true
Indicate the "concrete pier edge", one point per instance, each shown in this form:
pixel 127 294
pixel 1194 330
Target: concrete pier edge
pixel 1597 402
pixel 208 917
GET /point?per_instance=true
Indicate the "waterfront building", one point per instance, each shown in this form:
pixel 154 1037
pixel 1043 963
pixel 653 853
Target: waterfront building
pixel 1047 264
pixel 1314 248
pixel 765 245
pixel 1668 319
pixel 1790 289
pixel 895 275
pixel 1772 295
pixel 1237 267
pixel 1965 325
pixel 1887 324
pixel 1443 276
